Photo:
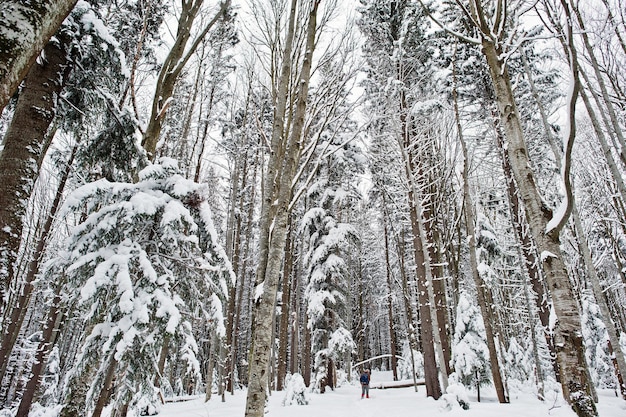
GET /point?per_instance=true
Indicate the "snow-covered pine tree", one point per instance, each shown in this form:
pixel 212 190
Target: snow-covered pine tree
pixel 144 259
pixel 597 352
pixel 328 256
pixel 470 353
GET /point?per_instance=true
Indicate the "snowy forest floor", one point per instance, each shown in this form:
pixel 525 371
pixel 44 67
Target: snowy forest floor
pixel 346 401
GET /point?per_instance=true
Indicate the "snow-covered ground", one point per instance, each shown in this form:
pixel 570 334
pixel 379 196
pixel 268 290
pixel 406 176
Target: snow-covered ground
pixel 397 402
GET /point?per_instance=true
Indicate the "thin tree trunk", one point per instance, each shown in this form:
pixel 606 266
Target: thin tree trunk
pixel 209 373
pixel 481 287
pixel 600 81
pixel 438 285
pixel 392 333
pixel 620 364
pixel 105 392
pixel 429 329
pixel 165 349
pixel 48 337
pixel 284 313
pixel 306 354
pixel 618 356
pixel 18 311
pixel 408 309
pixel 175 62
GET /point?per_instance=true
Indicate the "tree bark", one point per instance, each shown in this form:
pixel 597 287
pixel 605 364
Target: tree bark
pixel 26 28
pixel 568 338
pixel 45 346
pixel 18 312
pixel 264 307
pixel 429 329
pixel 481 288
pixel 107 388
pixel 175 62
pixel 392 332
pixel 284 312
pixel 23 144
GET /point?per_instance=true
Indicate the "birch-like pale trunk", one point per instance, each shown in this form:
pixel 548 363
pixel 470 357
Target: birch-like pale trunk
pixel 585 252
pixel 25 29
pixel 567 332
pixel 277 223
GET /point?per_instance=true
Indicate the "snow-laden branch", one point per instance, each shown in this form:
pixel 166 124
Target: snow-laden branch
pixel 559 219
pixel 459 35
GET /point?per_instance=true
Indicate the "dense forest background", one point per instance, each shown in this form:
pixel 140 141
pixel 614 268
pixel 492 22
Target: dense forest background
pixel 202 196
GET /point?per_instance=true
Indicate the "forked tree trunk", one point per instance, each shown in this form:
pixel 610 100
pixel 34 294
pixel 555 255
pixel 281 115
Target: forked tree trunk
pixel 26 29
pixel 265 306
pixel 175 62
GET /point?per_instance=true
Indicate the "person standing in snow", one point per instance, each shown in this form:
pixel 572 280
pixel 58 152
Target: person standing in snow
pixel 365 384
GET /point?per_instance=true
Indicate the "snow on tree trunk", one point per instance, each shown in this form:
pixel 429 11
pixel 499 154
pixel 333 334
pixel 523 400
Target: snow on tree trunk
pixel 25 29
pixel 568 338
pixel 272 249
pixel 23 147
pixel 174 64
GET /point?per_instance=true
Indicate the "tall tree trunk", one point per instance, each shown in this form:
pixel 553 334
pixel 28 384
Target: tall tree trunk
pixel 265 305
pixel 481 287
pixel 392 332
pixel 18 311
pixel 540 294
pixel 429 329
pixel 107 387
pixel 408 309
pixel 294 359
pixel 619 362
pixel 568 338
pixel 439 290
pixel 165 349
pixel 23 142
pixel 598 294
pixel 615 125
pixel 175 62
pixel 284 312
pixel 26 29
pixel 48 336
pixel 306 354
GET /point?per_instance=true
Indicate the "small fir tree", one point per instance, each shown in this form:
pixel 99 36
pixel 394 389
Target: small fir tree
pixel 470 353
pixel 144 258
